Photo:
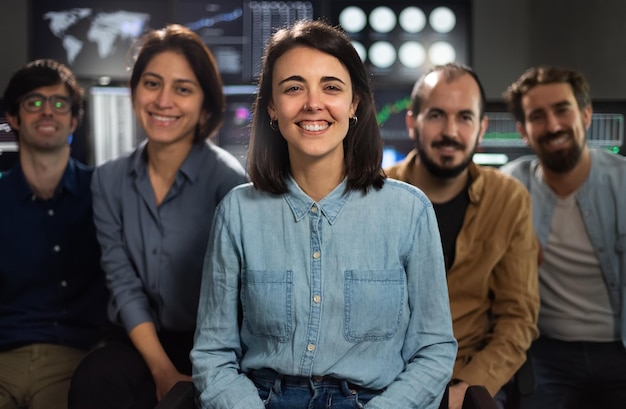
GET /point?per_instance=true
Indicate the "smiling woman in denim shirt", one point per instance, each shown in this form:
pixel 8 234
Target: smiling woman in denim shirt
pixel 324 283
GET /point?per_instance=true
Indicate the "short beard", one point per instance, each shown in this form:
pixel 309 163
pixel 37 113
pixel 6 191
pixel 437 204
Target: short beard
pixel 561 161
pixel 438 171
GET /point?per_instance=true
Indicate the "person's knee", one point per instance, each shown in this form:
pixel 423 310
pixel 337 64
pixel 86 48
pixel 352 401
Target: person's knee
pixel 51 396
pixel 109 376
pixel 7 401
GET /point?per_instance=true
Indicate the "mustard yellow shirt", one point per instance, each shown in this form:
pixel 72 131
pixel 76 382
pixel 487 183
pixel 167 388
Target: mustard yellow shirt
pixel 493 283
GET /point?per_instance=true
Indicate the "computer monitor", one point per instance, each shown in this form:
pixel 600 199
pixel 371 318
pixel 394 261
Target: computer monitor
pixel 113 129
pixel 234 134
pixel 93 37
pixel 237 31
pixel 391 107
pixel 8 142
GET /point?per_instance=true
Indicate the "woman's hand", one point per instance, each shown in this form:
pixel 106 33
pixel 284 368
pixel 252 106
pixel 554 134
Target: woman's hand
pixel 457 394
pixel 164 373
pixel 166 381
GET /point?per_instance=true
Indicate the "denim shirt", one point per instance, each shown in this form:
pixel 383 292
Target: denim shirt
pixel 343 287
pixel 602 202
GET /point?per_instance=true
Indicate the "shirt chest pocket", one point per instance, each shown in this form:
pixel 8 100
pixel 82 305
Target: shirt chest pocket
pixel 374 303
pixel 266 300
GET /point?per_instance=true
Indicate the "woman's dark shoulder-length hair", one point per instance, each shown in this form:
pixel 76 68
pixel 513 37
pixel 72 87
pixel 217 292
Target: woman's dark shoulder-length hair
pixel 181 40
pixel 268 157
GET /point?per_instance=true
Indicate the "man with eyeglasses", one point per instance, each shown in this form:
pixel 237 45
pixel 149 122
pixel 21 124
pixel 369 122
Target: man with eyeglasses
pixel 52 291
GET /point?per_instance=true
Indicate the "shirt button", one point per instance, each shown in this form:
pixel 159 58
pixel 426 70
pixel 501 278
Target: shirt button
pixel 316 255
pixel 63 283
pixel 310 347
pixel 314 209
pixel 317 299
pixel 50 212
pixel 56 248
pixel 33 198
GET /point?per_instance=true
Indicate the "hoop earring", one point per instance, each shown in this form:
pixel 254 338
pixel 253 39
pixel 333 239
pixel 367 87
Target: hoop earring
pixel 353 121
pixel 274 124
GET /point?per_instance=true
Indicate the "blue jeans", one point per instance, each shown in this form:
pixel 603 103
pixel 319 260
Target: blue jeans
pixel 292 392
pixel 577 375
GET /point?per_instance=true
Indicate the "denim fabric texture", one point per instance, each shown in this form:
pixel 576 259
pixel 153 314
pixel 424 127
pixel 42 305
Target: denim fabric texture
pixel 351 287
pixel 602 202
pixel 279 392
pixel 577 375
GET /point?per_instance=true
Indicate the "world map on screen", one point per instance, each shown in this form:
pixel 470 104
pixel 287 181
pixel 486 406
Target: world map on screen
pixel 106 29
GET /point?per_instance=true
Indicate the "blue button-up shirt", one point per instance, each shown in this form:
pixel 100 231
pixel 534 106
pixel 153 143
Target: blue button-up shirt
pixel 353 287
pixel 152 255
pixel 52 288
pixel 602 202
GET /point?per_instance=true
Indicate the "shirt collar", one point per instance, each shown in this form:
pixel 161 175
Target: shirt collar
pixel 68 183
pixel 194 162
pixel 330 206
pixel 190 169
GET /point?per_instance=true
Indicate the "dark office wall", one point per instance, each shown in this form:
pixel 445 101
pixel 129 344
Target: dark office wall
pixel 500 42
pixel 508 37
pixel 591 38
pixel 13 38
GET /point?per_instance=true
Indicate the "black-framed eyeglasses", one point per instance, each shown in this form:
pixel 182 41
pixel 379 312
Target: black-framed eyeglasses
pixel 36 103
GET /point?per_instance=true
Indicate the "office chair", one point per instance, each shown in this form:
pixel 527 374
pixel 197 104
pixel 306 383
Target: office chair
pixel 181 396
pixel 477 397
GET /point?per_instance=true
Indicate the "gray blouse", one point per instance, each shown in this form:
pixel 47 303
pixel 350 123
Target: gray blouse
pixel 152 255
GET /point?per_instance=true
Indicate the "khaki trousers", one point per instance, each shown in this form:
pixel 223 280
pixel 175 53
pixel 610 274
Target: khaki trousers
pixel 37 376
